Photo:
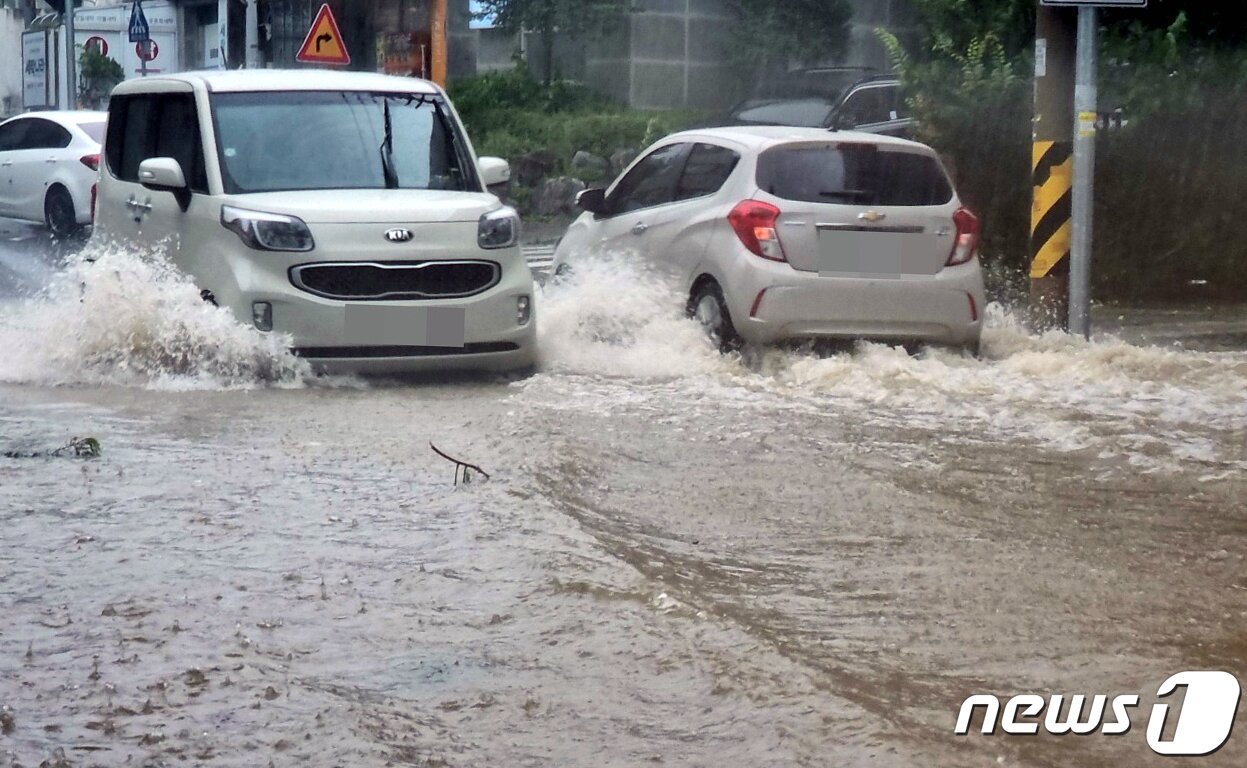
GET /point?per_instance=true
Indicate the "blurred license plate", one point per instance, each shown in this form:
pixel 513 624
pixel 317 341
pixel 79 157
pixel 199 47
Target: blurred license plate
pixel 405 326
pixel 878 254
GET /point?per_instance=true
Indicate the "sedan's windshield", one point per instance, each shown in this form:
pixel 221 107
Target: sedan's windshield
pixel 338 140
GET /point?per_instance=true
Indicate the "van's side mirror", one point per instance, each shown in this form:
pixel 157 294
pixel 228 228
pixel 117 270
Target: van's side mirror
pixel 592 200
pixel 494 171
pixel 164 174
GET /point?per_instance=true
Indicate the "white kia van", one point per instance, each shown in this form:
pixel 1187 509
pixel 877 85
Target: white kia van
pixel 345 209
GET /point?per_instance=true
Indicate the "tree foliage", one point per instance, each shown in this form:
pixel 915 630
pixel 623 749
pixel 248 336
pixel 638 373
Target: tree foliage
pixel 1178 69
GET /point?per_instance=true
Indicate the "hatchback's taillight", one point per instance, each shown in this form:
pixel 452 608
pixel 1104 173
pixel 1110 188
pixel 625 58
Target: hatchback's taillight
pixel 90 161
pixel 967 240
pixel 754 223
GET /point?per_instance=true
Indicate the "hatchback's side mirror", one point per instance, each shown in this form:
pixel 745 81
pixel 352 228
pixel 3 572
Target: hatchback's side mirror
pixel 494 171
pixel 592 200
pixel 164 174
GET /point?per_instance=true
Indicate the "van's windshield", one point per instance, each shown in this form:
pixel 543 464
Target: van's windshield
pixel 304 140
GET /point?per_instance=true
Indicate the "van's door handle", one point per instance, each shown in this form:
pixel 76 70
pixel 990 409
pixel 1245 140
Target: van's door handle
pixel 50 160
pixel 639 228
pixel 6 163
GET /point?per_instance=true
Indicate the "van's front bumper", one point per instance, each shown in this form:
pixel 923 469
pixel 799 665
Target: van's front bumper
pixel 492 334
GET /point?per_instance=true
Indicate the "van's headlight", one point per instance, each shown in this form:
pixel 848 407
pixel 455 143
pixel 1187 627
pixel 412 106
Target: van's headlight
pixel 268 231
pixel 498 229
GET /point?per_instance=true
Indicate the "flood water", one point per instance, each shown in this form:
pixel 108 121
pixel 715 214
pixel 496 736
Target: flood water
pixel 679 558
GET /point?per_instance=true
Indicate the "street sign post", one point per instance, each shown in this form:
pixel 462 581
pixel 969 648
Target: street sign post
pixel 323 44
pixel 141 36
pixel 1085 118
pixel 140 30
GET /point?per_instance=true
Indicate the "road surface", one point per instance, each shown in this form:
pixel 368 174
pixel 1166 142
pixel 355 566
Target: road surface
pixel 678 558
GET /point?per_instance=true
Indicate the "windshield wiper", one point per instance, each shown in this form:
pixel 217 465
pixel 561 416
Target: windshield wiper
pixel 387 150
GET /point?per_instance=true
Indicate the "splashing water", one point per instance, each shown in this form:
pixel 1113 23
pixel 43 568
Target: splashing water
pixel 615 318
pixel 1152 405
pixel 122 317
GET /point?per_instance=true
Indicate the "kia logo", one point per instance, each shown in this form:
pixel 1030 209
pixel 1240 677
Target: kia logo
pixel 398 235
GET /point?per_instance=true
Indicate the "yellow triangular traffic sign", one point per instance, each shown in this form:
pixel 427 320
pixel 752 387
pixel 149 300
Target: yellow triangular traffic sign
pixel 323 44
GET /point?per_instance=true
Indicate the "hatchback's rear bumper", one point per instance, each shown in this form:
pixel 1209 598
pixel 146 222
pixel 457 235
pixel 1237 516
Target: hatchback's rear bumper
pixel 945 308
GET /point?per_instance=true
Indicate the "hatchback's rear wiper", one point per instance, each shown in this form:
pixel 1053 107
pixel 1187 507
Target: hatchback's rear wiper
pixel 387 150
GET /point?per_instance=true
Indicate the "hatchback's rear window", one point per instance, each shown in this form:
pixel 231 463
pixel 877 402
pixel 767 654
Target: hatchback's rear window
pixel 853 174
pixel 94 130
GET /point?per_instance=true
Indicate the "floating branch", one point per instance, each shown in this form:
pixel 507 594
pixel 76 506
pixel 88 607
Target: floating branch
pixel 79 447
pixel 459 465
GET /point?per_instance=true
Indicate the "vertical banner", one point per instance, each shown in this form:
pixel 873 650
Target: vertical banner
pixel 35 71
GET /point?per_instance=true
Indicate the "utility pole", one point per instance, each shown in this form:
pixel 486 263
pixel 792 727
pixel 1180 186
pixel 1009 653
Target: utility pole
pixel 71 79
pixel 1085 103
pixel 253 34
pixel 1052 166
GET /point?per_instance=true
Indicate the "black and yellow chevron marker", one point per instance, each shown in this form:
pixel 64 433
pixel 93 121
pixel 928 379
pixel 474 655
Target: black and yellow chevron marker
pixel 1052 207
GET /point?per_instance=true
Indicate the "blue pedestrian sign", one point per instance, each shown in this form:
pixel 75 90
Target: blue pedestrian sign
pixel 140 32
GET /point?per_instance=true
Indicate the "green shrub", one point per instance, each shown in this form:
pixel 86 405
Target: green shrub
pixel 509 114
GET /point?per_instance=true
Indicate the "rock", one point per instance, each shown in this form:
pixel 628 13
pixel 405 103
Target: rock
pixel 531 168
pixel 558 196
pixel 620 159
pixel 590 166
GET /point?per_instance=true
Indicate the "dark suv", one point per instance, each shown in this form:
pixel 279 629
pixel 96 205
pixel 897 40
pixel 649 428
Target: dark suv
pixel 874 105
pixel 828 97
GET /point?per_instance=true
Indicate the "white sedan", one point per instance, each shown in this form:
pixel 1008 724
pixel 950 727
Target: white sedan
pixel 777 234
pixel 49 163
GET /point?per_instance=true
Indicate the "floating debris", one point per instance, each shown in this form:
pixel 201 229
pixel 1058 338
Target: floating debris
pixel 466 467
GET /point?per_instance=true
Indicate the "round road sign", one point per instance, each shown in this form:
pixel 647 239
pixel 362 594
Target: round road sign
pixel 97 44
pixel 147 51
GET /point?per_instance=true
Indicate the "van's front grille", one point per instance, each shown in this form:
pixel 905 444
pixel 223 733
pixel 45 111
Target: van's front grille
pixel 396 280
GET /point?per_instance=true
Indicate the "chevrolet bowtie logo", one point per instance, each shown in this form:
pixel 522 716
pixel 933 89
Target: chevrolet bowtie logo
pixel 872 216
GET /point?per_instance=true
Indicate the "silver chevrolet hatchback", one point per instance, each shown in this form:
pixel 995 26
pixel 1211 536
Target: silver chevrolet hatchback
pixel 777 234
pixel 347 210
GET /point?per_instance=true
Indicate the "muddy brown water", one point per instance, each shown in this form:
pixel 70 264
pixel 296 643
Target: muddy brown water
pixel 678 559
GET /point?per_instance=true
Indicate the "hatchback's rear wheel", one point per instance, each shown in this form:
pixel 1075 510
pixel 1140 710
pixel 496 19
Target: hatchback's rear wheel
pixel 709 308
pixel 59 214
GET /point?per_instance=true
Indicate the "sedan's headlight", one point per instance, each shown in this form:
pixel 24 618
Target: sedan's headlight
pixel 268 231
pixel 498 229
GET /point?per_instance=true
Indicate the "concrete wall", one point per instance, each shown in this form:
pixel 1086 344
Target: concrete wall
pixel 868 15
pixel 669 54
pixel 673 53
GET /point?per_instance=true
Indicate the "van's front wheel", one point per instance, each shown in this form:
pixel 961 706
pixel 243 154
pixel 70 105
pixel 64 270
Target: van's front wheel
pixel 709 308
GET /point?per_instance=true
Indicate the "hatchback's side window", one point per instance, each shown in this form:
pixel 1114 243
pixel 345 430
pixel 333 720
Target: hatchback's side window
pixel 11 134
pixel 155 125
pixel 707 168
pixel 43 134
pixel 651 182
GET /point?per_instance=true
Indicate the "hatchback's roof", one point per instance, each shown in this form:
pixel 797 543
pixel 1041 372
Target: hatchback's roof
pixel 68 116
pixel 761 137
pixel 239 80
